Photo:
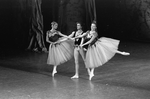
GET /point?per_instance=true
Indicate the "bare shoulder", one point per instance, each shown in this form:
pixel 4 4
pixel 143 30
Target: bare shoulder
pixel 48 32
pixel 58 32
pixel 95 33
pixel 88 31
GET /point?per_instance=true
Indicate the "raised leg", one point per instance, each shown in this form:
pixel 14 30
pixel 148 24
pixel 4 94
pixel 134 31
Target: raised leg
pixel 123 53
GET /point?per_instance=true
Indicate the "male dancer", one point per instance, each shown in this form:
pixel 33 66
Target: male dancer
pixel 77 50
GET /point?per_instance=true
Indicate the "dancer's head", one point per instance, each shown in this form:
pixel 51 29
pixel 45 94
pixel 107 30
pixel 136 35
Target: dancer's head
pixel 93 26
pixel 79 26
pixel 54 25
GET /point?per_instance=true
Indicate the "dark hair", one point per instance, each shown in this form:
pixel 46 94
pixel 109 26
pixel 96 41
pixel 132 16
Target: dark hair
pixel 53 23
pixel 78 23
pixel 94 22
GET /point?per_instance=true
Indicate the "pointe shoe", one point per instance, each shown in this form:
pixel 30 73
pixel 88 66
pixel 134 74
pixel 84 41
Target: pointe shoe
pixel 90 76
pixel 125 53
pixel 75 76
pixel 54 72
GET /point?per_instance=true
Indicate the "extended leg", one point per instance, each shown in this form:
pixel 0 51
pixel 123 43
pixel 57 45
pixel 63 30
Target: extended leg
pixel 122 53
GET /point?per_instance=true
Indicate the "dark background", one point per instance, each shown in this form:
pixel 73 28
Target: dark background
pixel 126 20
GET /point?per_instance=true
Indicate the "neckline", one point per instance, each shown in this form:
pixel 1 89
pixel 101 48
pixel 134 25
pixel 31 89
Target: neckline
pixel 79 31
pixel 53 31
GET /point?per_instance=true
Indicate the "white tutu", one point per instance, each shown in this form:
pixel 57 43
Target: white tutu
pixel 101 52
pixel 60 52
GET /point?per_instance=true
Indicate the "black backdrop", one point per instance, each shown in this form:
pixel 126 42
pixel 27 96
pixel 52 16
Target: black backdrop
pixel 121 19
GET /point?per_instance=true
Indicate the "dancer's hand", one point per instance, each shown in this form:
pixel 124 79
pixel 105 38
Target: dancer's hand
pixel 72 39
pixel 55 42
pixel 81 45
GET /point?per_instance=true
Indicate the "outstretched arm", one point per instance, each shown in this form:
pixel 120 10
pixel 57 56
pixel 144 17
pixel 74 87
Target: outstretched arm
pixel 63 35
pixel 80 36
pixel 72 34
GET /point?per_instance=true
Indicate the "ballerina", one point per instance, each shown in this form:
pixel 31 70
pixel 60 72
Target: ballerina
pixel 60 48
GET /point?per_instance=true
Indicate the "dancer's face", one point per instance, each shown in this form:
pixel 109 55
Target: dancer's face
pixel 93 26
pixel 79 26
pixel 54 26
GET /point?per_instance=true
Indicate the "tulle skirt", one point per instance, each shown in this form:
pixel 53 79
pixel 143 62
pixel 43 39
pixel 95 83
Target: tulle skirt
pixel 60 52
pixel 101 51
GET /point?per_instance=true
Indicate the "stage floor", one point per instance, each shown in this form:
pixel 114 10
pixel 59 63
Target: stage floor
pixel 25 75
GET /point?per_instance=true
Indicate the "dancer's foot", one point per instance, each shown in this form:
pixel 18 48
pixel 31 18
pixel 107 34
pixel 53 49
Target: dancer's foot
pixel 125 53
pixel 75 76
pixel 44 50
pixel 89 72
pixel 90 76
pixel 35 50
pixel 54 72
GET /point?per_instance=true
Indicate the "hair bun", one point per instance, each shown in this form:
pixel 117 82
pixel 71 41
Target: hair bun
pixel 94 22
pixel 52 23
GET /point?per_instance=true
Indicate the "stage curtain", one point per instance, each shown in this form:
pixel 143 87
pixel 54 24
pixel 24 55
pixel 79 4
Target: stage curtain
pixel 72 11
pixel 36 27
pixel 90 9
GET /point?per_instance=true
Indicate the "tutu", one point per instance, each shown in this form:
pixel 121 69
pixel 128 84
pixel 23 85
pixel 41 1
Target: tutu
pixel 101 51
pixel 60 52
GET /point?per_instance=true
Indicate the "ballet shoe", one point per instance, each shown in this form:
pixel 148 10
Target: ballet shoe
pixel 125 53
pixel 54 72
pixel 90 76
pixel 75 76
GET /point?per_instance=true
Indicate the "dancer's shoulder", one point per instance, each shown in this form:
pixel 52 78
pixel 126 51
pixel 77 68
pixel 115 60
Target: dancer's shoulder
pixel 48 32
pixel 95 33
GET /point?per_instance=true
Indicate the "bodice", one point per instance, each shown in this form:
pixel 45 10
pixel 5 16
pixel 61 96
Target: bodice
pixel 78 40
pixel 89 36
pixel 53 36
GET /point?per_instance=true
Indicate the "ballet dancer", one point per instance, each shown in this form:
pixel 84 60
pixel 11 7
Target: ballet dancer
pixel 77 50
pixel 60 48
